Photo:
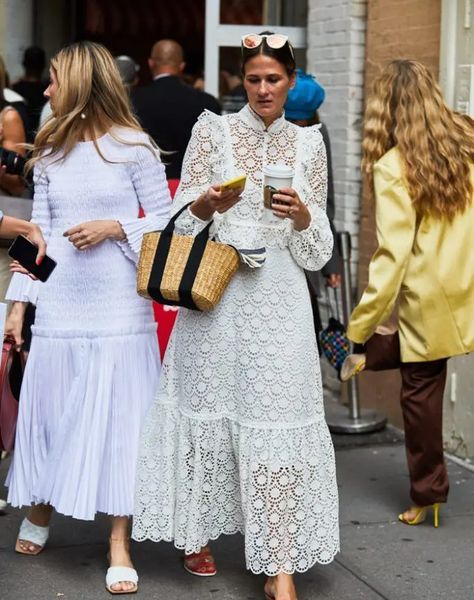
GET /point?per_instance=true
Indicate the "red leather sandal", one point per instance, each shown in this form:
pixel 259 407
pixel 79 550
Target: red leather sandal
pixel 200 563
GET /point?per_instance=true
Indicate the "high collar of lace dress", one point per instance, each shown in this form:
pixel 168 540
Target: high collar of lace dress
pixel 255 121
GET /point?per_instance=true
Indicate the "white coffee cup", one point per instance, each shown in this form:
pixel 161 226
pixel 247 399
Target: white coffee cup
pixel 277 177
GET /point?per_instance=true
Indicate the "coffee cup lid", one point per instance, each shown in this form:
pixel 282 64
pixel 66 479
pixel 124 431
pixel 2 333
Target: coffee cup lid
pixel 278 170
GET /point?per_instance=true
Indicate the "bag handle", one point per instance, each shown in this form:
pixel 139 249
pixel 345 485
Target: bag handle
pixel 190 270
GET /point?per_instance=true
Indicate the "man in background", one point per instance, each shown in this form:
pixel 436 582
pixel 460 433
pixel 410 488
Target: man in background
pixel 167 108
pixel 31 87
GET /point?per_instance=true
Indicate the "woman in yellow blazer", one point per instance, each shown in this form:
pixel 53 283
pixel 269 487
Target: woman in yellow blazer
pixel 418 158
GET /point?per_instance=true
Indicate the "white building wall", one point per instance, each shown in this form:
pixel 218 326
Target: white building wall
pixel 457 79
pixel 336 56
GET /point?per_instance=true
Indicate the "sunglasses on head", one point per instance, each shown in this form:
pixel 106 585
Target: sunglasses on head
pixel 276 41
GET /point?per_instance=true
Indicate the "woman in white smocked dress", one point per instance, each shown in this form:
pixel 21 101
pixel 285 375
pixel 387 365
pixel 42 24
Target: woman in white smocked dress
pixel 94 361
pixel 236 439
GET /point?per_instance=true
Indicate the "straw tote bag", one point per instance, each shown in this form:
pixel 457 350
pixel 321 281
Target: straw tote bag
pixel 182 270
pixel 11 375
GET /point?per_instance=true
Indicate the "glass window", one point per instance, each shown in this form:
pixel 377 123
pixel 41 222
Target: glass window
pixel 464 82
pixel 289 13
pixel 241 12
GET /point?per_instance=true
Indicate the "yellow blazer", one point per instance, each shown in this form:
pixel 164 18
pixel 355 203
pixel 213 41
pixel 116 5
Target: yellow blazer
pixel 428 266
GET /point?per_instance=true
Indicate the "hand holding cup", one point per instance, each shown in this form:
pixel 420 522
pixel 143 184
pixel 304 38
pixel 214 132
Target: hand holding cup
pixel 286 204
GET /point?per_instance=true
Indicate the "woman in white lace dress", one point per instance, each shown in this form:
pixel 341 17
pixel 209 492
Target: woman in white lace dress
pixel 236 439
pixel 93 367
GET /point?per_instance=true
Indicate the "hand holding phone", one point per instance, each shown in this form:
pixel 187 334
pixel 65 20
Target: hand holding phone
pixel 25 252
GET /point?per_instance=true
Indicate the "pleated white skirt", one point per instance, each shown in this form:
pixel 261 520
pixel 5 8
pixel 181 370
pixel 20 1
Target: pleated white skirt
pixel 83 401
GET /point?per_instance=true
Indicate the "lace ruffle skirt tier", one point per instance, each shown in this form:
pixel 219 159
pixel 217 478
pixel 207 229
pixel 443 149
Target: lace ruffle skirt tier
pixel 82 405
pixel 201 479
pixel 236 439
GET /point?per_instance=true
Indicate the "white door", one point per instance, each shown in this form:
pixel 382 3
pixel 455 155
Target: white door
pixel 457 54
pixel 281 16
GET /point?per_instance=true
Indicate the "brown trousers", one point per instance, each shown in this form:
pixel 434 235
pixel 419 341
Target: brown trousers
pixel 421 399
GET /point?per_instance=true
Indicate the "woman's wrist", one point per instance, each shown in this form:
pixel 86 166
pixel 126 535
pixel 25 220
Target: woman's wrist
pixel 201 209
pixel 18 309
pixel 303 222
pixel 11 226
pixel 116 232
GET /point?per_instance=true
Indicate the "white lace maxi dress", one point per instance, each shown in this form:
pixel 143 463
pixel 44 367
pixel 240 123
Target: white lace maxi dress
pixel 93 367
pixel 236 439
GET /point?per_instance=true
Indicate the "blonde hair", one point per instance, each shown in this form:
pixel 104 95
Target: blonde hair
pixel 90 98
pixel 406 109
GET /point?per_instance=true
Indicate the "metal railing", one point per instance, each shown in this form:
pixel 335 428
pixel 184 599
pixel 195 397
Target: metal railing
pixel 356 419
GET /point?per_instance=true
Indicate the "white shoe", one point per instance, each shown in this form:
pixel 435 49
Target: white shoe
pixel 118 575
pixel 3 505
pixel 33 534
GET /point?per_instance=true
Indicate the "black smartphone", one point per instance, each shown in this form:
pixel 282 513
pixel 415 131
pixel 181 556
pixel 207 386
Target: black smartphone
pixel 25 253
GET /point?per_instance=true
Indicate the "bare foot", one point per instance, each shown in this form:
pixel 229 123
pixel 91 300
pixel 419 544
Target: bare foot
pixel 119 556
pixel 38 515
pixel 280 587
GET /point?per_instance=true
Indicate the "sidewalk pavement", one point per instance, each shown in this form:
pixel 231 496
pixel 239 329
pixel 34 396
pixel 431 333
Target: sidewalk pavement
pixel 380 558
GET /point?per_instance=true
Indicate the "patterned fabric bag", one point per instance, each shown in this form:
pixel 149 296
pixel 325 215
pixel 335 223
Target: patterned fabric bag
pixel 334 342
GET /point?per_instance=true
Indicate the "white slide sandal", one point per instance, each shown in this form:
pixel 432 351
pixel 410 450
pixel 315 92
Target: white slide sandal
pixel 121 575
pixel 31 534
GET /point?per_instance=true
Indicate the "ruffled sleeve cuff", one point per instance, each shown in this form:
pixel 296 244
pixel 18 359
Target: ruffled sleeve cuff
pixel 22 289
pixel 135 229
pixel 312 247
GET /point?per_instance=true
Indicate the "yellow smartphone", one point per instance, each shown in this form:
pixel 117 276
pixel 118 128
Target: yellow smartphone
pixel 234 184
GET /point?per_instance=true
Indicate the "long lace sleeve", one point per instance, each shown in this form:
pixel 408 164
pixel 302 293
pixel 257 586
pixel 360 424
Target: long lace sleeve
pixel 149 182
pixel 22 288
pixel 312 247
pixel 202 162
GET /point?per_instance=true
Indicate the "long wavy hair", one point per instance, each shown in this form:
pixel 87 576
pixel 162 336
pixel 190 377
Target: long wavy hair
pixel 406 109
pixel 90 99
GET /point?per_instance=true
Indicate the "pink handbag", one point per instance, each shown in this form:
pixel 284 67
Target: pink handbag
pixel 11 375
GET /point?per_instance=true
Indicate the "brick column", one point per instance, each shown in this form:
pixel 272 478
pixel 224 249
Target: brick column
pixel 336 55
pixel 395 29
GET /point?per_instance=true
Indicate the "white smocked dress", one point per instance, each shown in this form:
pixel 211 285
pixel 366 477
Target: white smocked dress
pixel 93 366
pixel 236 439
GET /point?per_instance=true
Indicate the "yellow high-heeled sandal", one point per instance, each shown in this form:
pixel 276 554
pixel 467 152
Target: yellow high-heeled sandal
pixel 420 513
